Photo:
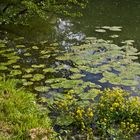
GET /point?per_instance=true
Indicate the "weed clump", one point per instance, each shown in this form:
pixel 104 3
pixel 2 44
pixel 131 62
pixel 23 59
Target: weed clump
pixel 115 115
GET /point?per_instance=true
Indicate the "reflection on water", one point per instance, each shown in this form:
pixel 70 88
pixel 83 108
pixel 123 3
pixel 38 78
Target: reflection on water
pixel 66 36
pixel 125 13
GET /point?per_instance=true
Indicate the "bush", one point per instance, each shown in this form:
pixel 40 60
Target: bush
pixel 115 115
pixel 21 117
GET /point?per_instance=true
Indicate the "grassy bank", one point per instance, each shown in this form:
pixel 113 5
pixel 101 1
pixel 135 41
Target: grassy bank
pixel 20 117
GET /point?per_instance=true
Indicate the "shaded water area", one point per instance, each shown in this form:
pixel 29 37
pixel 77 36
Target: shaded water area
pixel 123 13
pixel 43 57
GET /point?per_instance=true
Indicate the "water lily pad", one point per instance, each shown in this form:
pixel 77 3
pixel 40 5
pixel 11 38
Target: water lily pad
pixel 19 38
pixel 27 54
pixel 105 27
pixel 11 55
pixel 67 84
pixel 24 80
pixel 15 72
pixel 9 62
pixel 114 36
pixel 35 47
pixel 37 77
pixel 100 30
pixel 29 70
pixel 77 76
pixel 91 94
pixel 38 66
pixel 130 82
pixel 49 70
pixel 27 83
pixel 75 70
pixel 9 49
pixel 2 51
pixel 128 42
pixel 65 57
pixel 20 46
pixel 43 52
pixel 16 66
pixel 115 28
pixel 54 44
pixel 27 76
pixel 45 56
pixel 3 67
pixel 55 80
pixel 42 88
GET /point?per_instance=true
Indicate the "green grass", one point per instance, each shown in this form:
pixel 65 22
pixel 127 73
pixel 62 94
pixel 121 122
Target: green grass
pixel 20 117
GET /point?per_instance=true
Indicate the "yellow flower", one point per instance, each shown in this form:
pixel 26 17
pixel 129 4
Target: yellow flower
pixel 79 112
pixel 115 105
pixel 101 105
pixel 69 96
pixel 89 109
pixel 111 108
pixel 90 114
pixel 83 125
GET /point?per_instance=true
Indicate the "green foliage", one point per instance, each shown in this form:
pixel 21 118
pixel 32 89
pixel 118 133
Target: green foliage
pixel 73 98
pixel 25 9
pixel 115 115
pixel 21 117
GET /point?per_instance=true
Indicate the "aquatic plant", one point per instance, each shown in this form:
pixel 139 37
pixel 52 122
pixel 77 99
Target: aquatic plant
pixel 115 115
pixel 71 83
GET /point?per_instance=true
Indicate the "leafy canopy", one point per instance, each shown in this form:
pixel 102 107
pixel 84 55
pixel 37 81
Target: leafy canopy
pixel 11 10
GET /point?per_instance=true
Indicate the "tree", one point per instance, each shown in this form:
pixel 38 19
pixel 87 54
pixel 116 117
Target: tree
pixel 19 11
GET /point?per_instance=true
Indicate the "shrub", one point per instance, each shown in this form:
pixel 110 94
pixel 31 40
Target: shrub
pixel 115 115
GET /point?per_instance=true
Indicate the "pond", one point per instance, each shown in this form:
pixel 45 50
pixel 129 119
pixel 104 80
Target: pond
pixel 44 42
pixel 78 56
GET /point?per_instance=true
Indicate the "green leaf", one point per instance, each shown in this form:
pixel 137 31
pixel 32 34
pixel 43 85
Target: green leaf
pixel 64 120
pixel 42 88
pixel 38 66
pixel 15 72
pixel 37 77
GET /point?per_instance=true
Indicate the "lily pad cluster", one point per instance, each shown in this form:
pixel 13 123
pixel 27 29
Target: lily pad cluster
pixel 115 64
pixel 90 66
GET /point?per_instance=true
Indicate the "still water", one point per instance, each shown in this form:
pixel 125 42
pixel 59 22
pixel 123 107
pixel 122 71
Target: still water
pixel 123 14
